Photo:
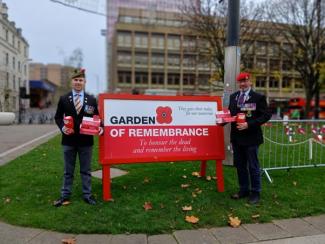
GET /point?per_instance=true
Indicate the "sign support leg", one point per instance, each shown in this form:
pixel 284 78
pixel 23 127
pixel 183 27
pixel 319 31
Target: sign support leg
pixel 203 168
pixel 219 175
pixel 106 182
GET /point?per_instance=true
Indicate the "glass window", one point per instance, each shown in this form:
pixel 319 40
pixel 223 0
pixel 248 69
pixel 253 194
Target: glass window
pixel 14 82
pixel 299 84
pixel 188 79
pixel 261 48
pixel 141 78
pixel 274 49
pixel 124 57
pixel 286 82
pixel 25 51
pixel 157 78
pixel 124 77
pixel 247 47
pixel 248 62
pixel 261 65
pixel 173 79
pixel 273 83
pixel 260 81
pixel 157 41
pixel 189 43
pixel 173 60
pixel 141 58
pixel 189 61
pixel 7 58
pixel 274 64
pixel 173 42
pixel 157 59
pixel 141 39
pixel 203 62
pixel 124 39
pixel 7 80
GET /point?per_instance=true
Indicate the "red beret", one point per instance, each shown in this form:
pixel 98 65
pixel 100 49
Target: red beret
pixel 243 76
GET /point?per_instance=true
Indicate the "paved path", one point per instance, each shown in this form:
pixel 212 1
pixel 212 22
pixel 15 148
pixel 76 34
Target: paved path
pixel 289 231
pixel 17 139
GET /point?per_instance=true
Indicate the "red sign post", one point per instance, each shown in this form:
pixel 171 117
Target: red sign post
pixel 141 129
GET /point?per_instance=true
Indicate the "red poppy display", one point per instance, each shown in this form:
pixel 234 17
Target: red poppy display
pixel 164 115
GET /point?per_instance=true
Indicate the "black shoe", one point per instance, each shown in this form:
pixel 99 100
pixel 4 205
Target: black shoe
pixel 254 198
pixel 90 200
pixel 239 195
pixel 61 201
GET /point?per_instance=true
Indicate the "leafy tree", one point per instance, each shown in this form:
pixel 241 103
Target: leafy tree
pixel 300 25
pixel 208 20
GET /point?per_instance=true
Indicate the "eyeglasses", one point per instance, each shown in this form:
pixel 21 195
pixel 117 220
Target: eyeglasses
pixel 78 79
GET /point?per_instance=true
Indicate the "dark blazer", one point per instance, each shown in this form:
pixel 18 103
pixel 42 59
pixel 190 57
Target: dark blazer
pixel 66 108
pixel 255 118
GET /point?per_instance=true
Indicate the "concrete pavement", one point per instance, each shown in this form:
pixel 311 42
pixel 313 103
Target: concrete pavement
pixel 288 231
pixel 17 139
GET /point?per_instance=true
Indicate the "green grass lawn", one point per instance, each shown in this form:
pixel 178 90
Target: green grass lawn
pixel 29 185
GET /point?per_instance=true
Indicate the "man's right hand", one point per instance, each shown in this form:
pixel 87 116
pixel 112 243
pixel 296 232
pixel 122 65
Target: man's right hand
pixel 67 131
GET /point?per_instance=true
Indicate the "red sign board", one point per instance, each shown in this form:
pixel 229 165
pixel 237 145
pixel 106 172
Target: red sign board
pixel 158 128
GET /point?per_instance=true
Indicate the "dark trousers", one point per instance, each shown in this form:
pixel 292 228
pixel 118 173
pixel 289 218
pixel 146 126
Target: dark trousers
pixel 248 167
pixel 70 155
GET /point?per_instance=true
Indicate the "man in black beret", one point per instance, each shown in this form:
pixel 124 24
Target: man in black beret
pixel 76 104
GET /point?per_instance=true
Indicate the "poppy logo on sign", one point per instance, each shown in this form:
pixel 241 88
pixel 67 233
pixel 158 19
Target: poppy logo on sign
pixel 164 115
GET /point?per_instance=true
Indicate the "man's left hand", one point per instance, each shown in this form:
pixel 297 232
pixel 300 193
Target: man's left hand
pixel 242 126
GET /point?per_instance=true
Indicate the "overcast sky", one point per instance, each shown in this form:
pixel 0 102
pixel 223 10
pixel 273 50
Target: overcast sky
pixel 53 31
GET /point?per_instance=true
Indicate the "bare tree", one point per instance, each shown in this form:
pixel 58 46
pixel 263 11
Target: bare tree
pixel 208 20
pixel 301 26
pixel 75 59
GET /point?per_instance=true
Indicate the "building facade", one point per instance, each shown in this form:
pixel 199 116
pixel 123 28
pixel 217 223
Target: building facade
pixel 151 6
pixel 48 82
pixel 14 85
pixel 153 50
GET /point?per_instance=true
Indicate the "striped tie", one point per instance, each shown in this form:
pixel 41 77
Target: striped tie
pixel 77 103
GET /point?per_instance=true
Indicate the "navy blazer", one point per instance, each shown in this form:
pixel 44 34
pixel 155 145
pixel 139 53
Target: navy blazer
pixel 254 118
pixel 66 108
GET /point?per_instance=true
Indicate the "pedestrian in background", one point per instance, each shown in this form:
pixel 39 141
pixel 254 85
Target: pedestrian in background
pixel 247 136
pixel 76 104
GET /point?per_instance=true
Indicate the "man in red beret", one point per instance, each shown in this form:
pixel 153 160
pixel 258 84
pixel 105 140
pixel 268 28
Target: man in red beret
pixel 247 136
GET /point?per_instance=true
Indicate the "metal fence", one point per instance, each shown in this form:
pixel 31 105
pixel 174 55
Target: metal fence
pixel 292 144
pixel 36 116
